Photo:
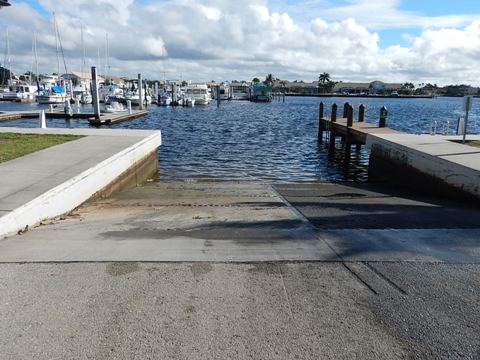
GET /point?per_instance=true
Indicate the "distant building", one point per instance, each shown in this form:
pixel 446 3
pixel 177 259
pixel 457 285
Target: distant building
pixel 303 87
pixel 351 88
pixel 77 77
pixel 261 93
pixel 240 90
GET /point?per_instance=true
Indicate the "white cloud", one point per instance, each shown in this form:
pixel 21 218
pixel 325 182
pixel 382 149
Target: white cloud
pixel 215 39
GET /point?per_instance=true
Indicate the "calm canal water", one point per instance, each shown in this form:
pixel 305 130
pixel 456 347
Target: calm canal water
pixel 274 141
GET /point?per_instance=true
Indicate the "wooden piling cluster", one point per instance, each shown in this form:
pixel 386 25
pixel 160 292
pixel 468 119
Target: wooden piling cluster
pixel 345 127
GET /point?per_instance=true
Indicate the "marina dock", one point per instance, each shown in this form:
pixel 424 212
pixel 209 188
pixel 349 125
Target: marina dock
pixel 436 163
pixel 105 118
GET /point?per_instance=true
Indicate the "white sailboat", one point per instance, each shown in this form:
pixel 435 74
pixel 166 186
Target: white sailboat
pixel 56 94
pixel 21 91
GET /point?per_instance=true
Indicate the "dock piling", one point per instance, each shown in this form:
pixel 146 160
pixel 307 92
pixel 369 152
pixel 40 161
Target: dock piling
pixel 95 98
pixel 321 110
pixel 361 113
pixel 345 109
pixel 333 117
pixel 140 91
pixel 383 117
pixel 350 116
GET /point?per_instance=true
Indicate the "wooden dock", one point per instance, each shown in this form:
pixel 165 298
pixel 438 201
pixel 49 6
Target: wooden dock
pixel 115 118
pixel 352 131
pixel 105 118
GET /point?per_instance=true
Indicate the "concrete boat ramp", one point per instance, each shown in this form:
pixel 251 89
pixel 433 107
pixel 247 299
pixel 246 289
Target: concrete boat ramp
pixel 237 270
pixel 248 222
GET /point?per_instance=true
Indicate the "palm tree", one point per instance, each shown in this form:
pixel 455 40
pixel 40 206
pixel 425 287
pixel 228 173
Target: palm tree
pixel 269 80
pixel 323 79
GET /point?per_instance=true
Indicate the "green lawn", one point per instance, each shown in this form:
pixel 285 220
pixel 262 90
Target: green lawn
pixel 475 143
pixel 13 145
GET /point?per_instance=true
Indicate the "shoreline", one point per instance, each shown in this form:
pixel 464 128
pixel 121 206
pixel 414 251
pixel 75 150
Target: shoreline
pixel 366 96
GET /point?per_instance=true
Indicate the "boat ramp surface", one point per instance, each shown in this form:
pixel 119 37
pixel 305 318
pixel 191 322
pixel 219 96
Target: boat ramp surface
pixel 227 270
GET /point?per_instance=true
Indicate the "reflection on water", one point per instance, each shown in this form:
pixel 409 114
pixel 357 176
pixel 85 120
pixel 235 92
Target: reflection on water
pixel 276 141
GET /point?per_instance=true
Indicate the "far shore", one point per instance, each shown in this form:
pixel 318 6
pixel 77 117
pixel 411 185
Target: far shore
pixel 365 96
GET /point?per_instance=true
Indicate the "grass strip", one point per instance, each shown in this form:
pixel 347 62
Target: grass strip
pixel 14 145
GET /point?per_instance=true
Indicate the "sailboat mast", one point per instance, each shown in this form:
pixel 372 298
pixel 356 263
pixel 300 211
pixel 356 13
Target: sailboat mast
pixel 61 48
pixel 6 60
pixel 56 44
pixel 107 59
pixel 9 58
pixel 98 60
pixel 33 56
pixel 83 50
pixel 36 55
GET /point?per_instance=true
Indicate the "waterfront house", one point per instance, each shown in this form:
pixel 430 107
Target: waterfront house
pixel 261 93
pixel 78 77
pixel 381 88
pixel 240 90
pixel 350 88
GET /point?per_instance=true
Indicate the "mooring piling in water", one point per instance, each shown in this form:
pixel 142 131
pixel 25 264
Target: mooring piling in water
pixel 140 92
pixel 95 98
pixel 321 110
pixel 155 92
pixel 218 95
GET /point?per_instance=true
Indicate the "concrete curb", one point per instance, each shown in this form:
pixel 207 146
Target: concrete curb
pixel 75 191
pixel 432 156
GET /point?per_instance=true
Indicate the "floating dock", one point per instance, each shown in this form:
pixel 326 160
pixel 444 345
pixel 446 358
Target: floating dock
pixel 105 118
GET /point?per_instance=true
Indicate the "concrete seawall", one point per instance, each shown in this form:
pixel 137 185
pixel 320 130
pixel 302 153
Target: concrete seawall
pixel 56 180
pixel 432 163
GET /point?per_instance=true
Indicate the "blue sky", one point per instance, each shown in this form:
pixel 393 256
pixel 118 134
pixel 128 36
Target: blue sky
pixel 441 7
pixel 434 41
pixel 393 34
pixel 306 10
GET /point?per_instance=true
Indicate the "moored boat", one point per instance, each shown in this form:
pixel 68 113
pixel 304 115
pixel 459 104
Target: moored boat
pixel 199 93
pixel 54 95
pixel 20 92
